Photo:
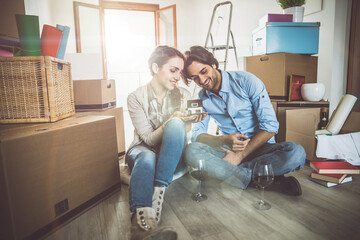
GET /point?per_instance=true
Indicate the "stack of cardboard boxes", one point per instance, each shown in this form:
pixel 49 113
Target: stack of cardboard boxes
pixel 51 172
pixel 98 97
pixel 282 49
pixel 275 71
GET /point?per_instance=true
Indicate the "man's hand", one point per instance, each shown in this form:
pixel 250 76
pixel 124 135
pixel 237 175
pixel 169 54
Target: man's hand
pixel 234 142
pixel 232 157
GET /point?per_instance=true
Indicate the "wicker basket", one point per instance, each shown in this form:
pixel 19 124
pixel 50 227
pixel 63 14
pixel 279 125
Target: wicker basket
pixel 35 89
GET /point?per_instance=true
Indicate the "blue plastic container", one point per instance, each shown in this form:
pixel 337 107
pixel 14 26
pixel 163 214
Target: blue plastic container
pixel 290 37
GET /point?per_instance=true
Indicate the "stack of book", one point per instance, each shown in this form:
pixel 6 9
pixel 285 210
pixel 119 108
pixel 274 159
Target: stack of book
pixel 332 173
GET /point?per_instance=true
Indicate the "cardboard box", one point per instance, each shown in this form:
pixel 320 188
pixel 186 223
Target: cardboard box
pixel 275 71
pixel 94 94
pixel 52 172
pixel 352 123
pixel 302 123
pixel 274 104
pixel 290 37
pixel 119 116
pixel 282 107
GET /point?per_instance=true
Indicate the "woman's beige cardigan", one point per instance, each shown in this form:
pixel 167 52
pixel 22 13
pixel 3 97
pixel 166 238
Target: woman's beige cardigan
pixel 138 106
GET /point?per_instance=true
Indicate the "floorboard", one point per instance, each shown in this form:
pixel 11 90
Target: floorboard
pixel 320 213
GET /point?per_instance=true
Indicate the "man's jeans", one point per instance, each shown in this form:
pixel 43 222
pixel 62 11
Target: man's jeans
pixel 150 168
pixel 284 157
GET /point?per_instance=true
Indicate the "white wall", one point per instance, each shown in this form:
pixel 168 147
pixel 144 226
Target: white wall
pixel 333 42
pixel 340 54
pixel 40 8
pixel 333 47
pixel 193 18
pixel 54 12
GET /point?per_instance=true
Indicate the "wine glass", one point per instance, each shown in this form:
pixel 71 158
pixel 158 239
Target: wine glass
pixel 199 173
pixel 263 176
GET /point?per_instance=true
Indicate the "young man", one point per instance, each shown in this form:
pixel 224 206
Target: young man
pixel 242 110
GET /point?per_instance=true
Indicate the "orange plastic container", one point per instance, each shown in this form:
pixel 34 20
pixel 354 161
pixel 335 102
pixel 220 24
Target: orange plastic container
pixel 50 40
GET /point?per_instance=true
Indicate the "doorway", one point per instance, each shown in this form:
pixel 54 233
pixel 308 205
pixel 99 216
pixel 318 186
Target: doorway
pixel 126 34
pixel 129 40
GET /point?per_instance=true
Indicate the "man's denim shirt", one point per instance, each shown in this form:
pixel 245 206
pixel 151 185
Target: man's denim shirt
pixel 243 107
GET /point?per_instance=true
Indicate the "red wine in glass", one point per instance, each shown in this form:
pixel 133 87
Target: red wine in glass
pixel 199 173
pixel 263 176
pixel 263 181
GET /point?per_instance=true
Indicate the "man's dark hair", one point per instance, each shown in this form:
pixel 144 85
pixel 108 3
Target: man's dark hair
pixel 198 54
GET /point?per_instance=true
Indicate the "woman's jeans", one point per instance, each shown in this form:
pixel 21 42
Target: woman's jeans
pixel 284 157
pixel 151 168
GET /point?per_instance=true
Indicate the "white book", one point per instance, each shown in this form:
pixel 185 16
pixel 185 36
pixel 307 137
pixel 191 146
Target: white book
pixel 330 184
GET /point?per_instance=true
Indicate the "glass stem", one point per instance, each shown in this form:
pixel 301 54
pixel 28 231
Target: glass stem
pixel 199 188
pixel 262 202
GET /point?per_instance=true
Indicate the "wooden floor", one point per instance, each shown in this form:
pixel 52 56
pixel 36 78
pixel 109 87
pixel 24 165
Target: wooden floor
pixel 320 213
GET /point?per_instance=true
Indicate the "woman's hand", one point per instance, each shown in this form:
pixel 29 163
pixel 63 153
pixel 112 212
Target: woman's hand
pixel 188 119
pixel 178 114
pixel 200 117
pixel 195 118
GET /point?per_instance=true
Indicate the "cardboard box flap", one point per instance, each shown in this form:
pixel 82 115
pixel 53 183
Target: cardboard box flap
pixel 352 123
pixel 307 141
pixel 300 127
pixel 11 133
pixel 303 121
pixel 117 112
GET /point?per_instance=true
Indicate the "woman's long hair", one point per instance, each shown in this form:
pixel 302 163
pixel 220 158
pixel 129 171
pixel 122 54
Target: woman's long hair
pixel 160 56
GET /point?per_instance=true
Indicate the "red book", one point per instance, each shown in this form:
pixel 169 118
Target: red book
pixel 331 167
pixel 334 178
pixel 50 40
pixel 295 87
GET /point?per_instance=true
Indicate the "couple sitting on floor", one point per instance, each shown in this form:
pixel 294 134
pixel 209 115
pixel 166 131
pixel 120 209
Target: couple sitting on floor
pixel 242 110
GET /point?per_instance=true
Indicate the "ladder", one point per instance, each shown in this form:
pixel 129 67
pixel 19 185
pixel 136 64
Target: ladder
pixel 225 47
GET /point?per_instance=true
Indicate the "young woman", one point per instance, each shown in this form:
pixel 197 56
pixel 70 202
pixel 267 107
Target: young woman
pixel 157 111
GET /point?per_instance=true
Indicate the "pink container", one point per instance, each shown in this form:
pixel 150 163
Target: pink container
pixel 4 53
pixel 273 17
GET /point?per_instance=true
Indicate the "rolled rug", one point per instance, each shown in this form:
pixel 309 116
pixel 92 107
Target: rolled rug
pixel 29 34
pixel 50 40
pixel 341 113
pixel 64 40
